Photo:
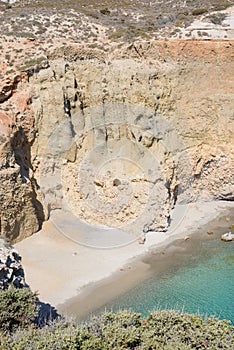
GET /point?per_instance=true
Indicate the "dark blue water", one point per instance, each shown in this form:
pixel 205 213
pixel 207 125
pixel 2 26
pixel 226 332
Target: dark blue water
pixel 199 281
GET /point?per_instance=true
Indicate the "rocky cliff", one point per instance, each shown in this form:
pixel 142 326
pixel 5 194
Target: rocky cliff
pixel 118 137
pixel 21 213
pixel 11 270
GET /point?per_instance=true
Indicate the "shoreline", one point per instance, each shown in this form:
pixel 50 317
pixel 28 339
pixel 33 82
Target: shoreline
pixel 67 274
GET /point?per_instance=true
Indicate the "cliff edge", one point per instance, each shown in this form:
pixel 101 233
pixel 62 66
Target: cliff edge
pixel 117 136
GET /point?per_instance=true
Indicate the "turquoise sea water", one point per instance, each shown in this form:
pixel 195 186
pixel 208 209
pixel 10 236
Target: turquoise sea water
pixel 202 282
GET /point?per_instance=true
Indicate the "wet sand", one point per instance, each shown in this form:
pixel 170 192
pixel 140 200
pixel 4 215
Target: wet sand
pixel 158 261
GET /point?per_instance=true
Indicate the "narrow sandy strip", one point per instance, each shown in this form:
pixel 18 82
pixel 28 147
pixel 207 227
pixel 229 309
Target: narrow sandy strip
pixel 60 269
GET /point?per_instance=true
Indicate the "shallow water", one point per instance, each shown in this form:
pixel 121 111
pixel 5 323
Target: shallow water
pixel 195 279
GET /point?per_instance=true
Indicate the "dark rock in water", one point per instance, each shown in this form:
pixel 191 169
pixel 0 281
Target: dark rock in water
pixel 11 270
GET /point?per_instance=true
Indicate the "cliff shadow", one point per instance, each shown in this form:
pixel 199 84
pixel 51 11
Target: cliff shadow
pixel 46 314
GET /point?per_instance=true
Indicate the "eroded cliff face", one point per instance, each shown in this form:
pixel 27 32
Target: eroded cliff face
pixel 21 212
pixel 118 139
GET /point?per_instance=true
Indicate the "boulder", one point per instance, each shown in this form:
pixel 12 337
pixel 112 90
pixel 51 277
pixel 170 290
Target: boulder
pixel 11 270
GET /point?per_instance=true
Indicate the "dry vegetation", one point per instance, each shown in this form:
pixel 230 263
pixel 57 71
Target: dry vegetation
pixel 30 29
pixel 89 21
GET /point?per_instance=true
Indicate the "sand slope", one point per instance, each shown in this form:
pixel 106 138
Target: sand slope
pixel 59 269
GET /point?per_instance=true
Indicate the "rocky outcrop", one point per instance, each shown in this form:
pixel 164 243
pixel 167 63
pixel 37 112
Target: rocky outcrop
pixel 11 270
pixel 118 138
pixel 121 139
pixel 21 213
pixel 8 85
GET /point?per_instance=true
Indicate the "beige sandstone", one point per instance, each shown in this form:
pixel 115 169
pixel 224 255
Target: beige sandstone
pixel 118 138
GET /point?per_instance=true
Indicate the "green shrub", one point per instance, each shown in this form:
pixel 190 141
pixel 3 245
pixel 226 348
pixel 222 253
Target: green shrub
pixel 179 23
pixel 197 12
pixel 217 18
pixel 222 6
pixel 117 34
pixel 31 63
pixel 17 308
pixel 161 330
pixel 105 11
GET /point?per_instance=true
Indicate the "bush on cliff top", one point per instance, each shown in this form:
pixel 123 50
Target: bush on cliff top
pixel 168 330
pixel 17 308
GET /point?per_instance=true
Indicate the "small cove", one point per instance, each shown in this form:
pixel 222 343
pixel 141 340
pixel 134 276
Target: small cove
pixel 196 276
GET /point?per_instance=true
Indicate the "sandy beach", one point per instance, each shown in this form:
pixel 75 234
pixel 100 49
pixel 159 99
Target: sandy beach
pixel 65 271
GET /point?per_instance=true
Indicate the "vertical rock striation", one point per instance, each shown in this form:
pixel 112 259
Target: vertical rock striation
pixel 21 213
pixel 119 138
